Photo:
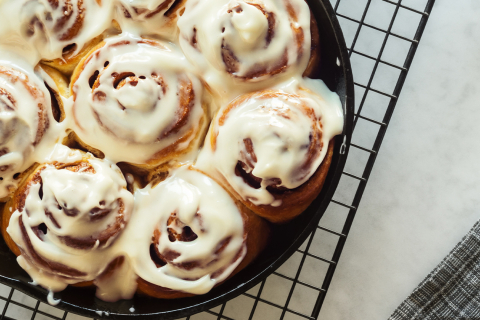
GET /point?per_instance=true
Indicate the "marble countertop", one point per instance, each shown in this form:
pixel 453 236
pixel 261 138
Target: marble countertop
pixel 424 193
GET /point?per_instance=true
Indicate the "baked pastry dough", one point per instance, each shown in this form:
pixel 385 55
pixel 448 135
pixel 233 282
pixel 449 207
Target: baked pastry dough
pixel 144 144
pixel 272 151
pixel 65 215
pixel 137 94
pixel 24 121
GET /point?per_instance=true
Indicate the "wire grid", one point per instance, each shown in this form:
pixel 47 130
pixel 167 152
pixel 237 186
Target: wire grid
pixel 297 290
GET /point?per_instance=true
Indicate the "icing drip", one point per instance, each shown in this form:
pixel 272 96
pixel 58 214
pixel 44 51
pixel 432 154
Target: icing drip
pixel 194 226
pixel 142 101
pixel 272 140
pixel 51 25
pixel 197 231
pixel 65 238
pixel 23 122
pixel 135 93
pixel 249 40
pixel 149 17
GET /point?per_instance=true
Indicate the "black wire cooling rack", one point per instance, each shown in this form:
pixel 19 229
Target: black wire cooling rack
pixel 383 36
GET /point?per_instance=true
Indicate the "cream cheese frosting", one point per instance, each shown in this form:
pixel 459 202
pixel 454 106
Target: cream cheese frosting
pixel 125 103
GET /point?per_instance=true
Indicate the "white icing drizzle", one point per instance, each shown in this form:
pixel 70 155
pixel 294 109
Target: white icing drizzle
pixel 196 200
pixel 236 44
pixel 281 125
pixel 129 117
pixel 147 17
pixel 51 300
pixel 49 26
pixel 207 209
pixel 70 219
pixel 139 113
pixel 27 128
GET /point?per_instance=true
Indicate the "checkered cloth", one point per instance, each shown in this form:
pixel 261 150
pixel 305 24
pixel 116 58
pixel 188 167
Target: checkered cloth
pixel 452 290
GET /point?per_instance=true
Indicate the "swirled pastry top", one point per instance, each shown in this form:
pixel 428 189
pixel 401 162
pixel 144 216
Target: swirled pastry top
pixel 71 211
pixel 248 40
pixel 51 25
pixel 194 225
pixel 197 259
pixel 139 99
pixel 138 95
pixel 272 139
pixel 24 119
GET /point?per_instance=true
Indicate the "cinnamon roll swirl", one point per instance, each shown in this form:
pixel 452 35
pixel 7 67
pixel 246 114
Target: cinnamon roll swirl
pixel 23 123
pixel 59 29
pixel 272 149
pixel 248 40
pixel 196 237
pixel 149 17
pixel 65 216
pixel 136 94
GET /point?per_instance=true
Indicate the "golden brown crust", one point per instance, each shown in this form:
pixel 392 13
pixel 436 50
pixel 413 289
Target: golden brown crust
pixel 60 90
pixel 71 58
pixel 6 214
pixel 151 290
pixel 295 201
pixel 10 206
pixel 74 142
pixel 314 63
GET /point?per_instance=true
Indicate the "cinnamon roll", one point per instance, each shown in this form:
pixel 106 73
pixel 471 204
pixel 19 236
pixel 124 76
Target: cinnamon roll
pixel 110 176
pixel 150 17
pixel 272 149
pixel 136 94
pixel 59 29
pixel 65 216
pixel 248 40
pixel 23 123
pixel 196 235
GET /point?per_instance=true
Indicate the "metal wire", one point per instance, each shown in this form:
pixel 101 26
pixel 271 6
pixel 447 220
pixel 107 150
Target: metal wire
pixel 259 298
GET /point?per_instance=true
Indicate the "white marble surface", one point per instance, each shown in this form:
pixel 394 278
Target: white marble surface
pixel 424 193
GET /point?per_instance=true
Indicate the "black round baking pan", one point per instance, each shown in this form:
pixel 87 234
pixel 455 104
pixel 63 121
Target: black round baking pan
pixel 336 72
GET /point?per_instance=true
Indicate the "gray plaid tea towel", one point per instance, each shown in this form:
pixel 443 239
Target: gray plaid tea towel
pixel 452 290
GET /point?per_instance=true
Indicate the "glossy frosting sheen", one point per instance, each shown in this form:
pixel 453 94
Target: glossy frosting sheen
pixel 146 17
pixel 249 40
pixel 196 200
pixel 51 25
pixel 151 89
pixel 288 129
pixel 78 230
pixel 201 204
pixel 133 104
pixel 27 128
